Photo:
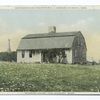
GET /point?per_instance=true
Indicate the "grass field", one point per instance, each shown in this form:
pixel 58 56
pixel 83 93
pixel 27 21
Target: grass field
pixel 49 77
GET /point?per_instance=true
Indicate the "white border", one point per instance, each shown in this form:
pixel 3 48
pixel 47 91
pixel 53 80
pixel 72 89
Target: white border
pixel 51 93
pixel 49 2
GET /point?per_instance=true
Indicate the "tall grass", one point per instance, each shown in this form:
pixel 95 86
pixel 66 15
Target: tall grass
pixel 49 77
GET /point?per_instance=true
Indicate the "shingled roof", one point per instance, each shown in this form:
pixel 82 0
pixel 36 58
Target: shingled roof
pixel 48 40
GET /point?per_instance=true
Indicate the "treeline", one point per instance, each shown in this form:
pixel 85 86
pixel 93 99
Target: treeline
pixel 8 56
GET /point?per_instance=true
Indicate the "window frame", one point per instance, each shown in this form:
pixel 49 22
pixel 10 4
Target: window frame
pixel 30 53
pixel 23 54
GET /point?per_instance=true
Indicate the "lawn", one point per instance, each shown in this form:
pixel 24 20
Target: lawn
pixel 49 77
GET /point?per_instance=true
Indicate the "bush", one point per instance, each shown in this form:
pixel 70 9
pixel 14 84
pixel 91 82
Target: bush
pixel 8 56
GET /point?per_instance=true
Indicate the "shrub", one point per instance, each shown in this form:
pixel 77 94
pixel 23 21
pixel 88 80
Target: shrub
pixel 8 56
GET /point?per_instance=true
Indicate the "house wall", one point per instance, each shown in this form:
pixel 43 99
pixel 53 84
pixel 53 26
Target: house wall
pixel 19 56
pixel 69 56
pixel 35 57
pixel 79 50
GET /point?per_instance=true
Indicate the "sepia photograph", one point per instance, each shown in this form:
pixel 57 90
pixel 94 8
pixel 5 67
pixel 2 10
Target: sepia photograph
pixel 50 49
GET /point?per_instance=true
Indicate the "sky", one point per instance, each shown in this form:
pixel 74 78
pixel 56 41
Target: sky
pixel 14 24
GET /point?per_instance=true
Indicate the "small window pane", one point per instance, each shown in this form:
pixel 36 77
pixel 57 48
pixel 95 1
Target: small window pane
pixel 30 54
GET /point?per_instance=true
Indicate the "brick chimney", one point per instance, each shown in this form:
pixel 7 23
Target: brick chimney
pixel 52 29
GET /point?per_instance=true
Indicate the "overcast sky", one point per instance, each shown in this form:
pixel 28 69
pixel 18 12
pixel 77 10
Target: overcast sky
pixel 15 24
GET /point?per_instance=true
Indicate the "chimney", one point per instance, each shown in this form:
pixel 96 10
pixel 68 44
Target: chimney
pixel 52 29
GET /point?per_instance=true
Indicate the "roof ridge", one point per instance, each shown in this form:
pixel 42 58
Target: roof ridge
pixel 55 33
pixel 58 34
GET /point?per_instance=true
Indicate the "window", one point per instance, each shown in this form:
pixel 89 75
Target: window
pixel 75 53
pixel 23 54
pixel 30 54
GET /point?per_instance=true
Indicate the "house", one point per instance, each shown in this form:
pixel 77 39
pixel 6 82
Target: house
pixel 52 47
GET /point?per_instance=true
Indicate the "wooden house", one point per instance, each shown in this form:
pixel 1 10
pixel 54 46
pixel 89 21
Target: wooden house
pixel 52 47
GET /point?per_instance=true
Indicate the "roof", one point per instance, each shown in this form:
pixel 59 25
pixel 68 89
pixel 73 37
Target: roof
pixel 43 35
pixel 47 41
